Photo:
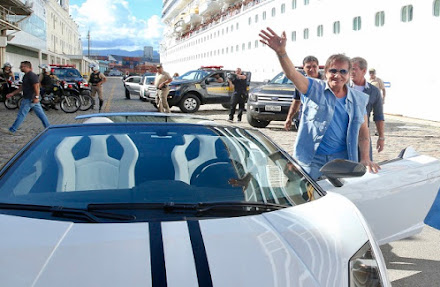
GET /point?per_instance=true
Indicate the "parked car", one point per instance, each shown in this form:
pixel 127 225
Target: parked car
pixel 131 85
pixel 201 86
pixel 151 199
pixel 271 101
pixel 147 87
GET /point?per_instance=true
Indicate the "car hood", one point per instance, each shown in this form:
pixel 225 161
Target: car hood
pixel 306 245
pixel 71 79
pixel 275 89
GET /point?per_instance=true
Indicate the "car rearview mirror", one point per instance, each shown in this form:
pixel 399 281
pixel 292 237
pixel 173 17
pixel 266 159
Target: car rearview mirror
pixel 342 168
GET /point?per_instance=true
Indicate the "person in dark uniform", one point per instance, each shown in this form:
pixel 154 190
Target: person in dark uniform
pixel 46 82
pixel 96 80
pixel 31 98
pixel 6 77
pixel 238 81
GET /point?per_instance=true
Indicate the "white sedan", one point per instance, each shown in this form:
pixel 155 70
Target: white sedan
pixel 123 201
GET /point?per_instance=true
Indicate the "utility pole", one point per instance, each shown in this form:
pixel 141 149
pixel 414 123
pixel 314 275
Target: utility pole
pixel 88 44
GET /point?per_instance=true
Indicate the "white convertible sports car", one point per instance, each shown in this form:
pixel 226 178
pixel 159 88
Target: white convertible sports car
pixel 121 201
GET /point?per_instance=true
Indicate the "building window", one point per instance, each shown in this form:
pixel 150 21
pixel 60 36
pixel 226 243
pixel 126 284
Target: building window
pixel 283 8
pixel 436 8
pixel 256 43
pixel 232 28
pixel 306 33
pixel 227 50
pixel 250 20
pixel 293 36
pixel 249 45
pixel 237 48
pixel 337 27
pixel 264 15
pixel 293 4
pixel 407 13
pixel 320 31
pixel 227 30
pixel 232 49
pixel 273 12
pixel 379 19
pixel 306 2
pixel 256 18
pixel 357 23
pixel 236 26
pixel 243 46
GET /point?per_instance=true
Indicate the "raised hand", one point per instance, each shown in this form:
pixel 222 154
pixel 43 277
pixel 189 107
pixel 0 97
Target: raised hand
pixel 275 42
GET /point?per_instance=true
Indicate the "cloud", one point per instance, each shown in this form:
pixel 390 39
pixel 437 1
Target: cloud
pixel 112 25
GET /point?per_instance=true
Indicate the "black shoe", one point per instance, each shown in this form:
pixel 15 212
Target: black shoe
pixel 239 120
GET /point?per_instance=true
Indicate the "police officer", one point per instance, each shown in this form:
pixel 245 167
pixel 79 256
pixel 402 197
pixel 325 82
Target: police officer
pixel 96 80
pixel 7 74
pixel 46 81
pixel 238 81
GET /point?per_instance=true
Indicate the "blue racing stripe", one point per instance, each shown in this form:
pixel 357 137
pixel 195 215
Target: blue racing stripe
pixel 200 257
pixel 157 257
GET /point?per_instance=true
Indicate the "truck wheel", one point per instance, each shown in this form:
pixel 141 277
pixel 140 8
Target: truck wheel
pixel 256 123
pixel 189 104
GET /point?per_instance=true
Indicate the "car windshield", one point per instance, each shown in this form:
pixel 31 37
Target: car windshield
pixel 66 73
pixel 153 163
pixel 281 79
pixel 194 75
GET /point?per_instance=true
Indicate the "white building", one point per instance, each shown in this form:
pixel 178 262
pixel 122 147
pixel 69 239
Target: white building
pixel 48 35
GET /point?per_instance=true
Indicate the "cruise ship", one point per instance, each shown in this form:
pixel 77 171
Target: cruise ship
pixel 399 38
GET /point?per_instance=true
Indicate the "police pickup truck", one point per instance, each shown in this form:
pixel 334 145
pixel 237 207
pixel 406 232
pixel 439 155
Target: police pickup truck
pixel 207 85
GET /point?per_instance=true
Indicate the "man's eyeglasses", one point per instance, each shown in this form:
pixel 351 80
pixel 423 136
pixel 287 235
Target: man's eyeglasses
pixel 341 71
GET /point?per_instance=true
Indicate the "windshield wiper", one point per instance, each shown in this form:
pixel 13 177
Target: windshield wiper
pixel 66 212
pixel 200 208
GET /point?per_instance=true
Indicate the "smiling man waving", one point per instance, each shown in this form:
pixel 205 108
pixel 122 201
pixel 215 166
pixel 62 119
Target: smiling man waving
pixel 334 120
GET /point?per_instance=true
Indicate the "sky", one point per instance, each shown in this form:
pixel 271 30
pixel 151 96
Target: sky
pixel 118 24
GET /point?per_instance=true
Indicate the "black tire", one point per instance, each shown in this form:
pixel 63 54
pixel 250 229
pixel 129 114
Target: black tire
pixel 70 103
pixel 127 94
pixel 190 103
pixel 256 123
pixel 87 102
pixel 226 106
pixel 13 102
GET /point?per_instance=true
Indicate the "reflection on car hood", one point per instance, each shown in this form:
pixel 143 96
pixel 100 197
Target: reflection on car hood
pixel 306 245
pixel 275 89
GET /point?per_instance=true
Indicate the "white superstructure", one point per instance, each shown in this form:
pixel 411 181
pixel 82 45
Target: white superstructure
pixel 398 38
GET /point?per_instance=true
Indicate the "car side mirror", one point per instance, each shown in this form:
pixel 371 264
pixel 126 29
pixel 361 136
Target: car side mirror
pixel 342 168
pixel 266 81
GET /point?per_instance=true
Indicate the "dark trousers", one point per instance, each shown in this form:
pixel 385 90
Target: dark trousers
pixel 240 100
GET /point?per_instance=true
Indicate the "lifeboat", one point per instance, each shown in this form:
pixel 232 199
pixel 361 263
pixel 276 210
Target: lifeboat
pixel 210 7
pixel 192 19
pixel 180 26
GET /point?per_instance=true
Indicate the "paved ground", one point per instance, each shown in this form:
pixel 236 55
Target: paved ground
pixel 411 262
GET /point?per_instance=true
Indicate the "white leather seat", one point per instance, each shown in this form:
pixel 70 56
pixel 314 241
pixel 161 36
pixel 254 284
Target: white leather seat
pixel 98 170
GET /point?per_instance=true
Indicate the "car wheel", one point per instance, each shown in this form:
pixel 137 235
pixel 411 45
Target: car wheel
pixel 190 103
pixel 226 106
pixel 256 123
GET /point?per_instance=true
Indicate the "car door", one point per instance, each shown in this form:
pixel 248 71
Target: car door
pixel 132 84
pixel 396 200
pixel 217 87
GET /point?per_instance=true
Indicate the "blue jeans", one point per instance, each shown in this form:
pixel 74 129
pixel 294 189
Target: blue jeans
pixel 319 161
pixel 25 107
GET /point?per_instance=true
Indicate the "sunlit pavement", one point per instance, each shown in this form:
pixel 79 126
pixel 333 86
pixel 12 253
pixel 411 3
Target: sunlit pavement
pixel 411 262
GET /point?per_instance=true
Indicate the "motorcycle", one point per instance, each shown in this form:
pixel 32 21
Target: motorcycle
pixel 7 87
pixel 68 99
pixel 84 91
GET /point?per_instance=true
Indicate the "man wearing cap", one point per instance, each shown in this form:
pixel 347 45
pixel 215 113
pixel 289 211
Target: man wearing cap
pixel 96 80
pixel 377 82
pixel 161 83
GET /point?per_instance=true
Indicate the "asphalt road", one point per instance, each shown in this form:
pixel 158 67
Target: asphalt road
pixel 411 262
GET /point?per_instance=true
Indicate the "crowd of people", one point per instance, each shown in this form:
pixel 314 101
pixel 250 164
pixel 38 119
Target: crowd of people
pixel 224 14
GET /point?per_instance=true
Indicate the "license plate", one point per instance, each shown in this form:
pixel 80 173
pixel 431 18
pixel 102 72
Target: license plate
pixel 272 108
